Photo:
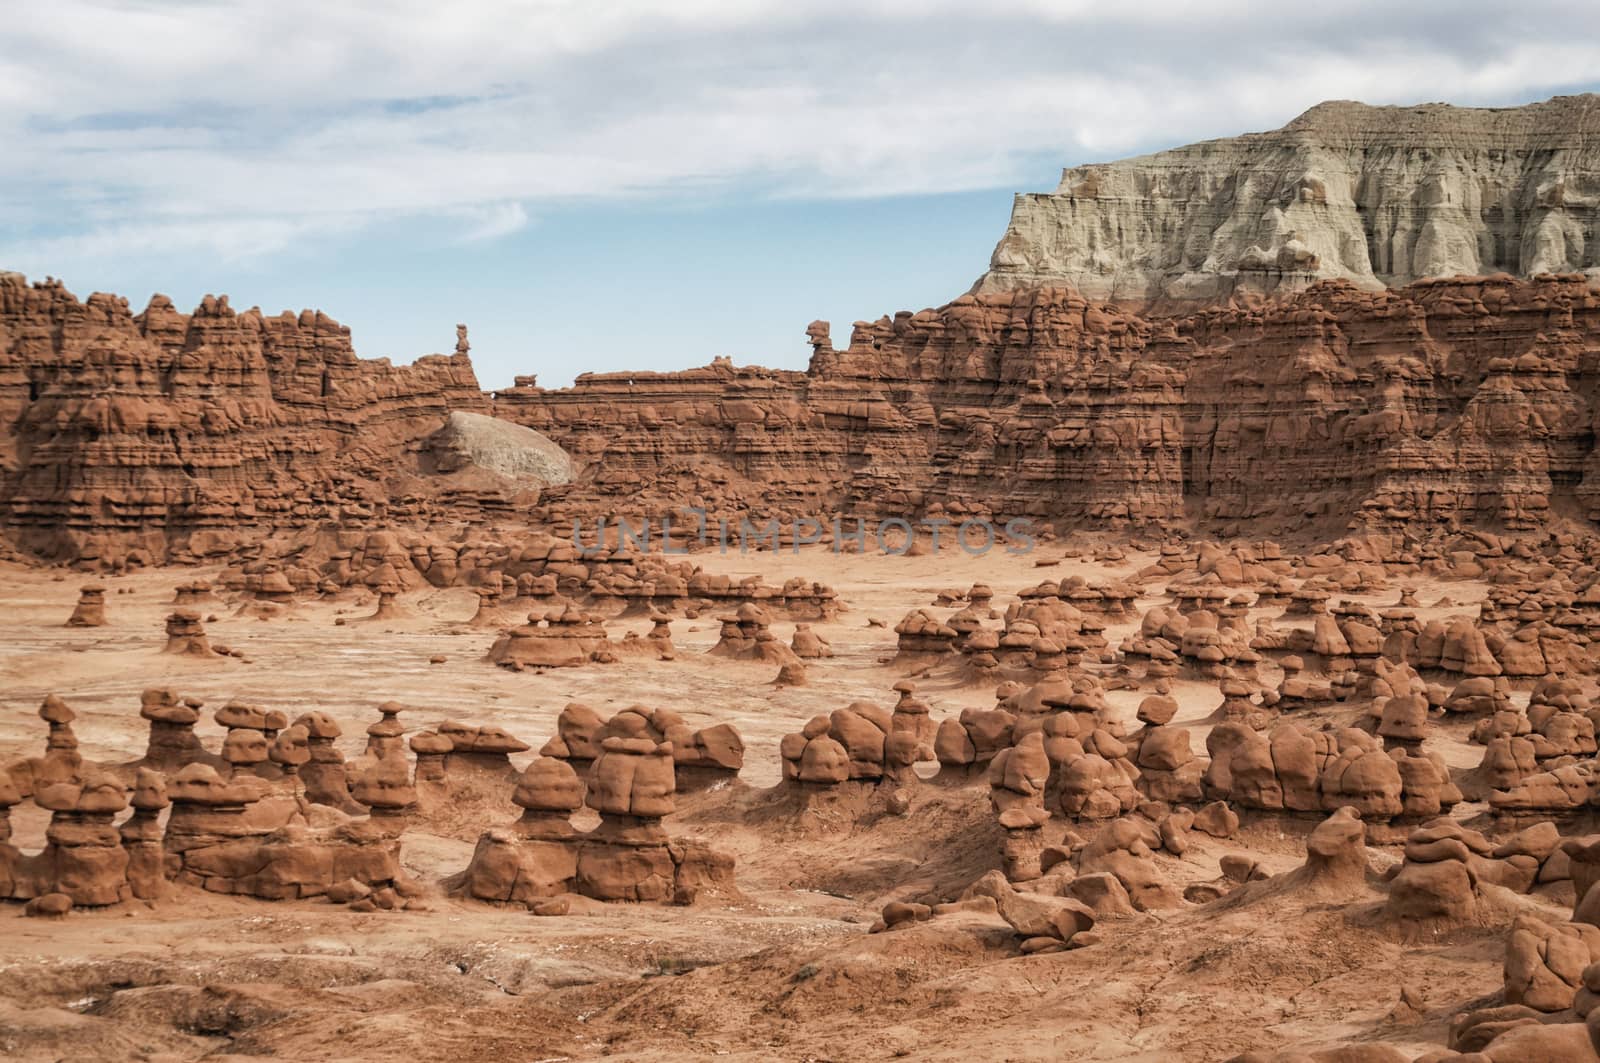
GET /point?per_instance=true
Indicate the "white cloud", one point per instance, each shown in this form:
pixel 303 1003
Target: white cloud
pixel 493 221
pixel 256 125
pixel 221 239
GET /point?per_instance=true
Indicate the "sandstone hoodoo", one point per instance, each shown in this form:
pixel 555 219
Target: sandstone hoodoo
pixel 186 635
pixel 747 636
pixel 91 608
pixel 701 758
pixel 324 774
pixel 564 638
pixel 628 857
pixel 197 593
pixel 173 743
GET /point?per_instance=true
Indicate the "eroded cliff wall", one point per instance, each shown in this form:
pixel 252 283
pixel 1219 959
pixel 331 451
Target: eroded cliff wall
pixel 159 427
pixel 1379 196
pixel 1018 403
pixel 1470 401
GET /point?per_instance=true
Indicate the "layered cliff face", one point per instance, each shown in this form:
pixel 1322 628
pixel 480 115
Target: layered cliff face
pixel 1462 402
pixel 1029 403
pixel 1465 402
pixel 169 432
pixel 1379 196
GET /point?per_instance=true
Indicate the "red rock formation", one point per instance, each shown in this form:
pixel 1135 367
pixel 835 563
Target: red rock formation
pixel 1454 401
pixel 628 857
pixel 91 608
pixel 559 639
pixel 1447 401
pixel 1029 403
pixel 1466 401
pixel 136 436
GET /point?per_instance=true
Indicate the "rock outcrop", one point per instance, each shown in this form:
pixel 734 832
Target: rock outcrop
pixel 163 435
pixel 473 441
pixel 1459 401
pixel 91 608
pixel 1374 195
pixel 628 857
pixel 1447 402
pixel 700 758
pixel 561 638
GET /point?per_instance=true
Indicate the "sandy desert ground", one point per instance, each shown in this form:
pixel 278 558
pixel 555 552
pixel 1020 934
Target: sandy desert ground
pixel 783 969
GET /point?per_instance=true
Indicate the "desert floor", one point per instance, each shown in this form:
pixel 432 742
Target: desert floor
pixel 787 971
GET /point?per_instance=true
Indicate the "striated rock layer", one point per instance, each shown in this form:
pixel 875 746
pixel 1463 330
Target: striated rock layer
pixel 169 432
pixel 1462 402
pixel 1374 195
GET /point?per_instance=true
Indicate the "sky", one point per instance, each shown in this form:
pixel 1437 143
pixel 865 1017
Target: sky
pixel 622 185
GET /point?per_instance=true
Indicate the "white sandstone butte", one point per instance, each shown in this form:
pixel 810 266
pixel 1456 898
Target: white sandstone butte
pixel 1379 196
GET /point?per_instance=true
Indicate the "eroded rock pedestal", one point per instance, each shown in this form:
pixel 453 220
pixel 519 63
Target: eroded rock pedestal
pixel 240 836
pixel 628 857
